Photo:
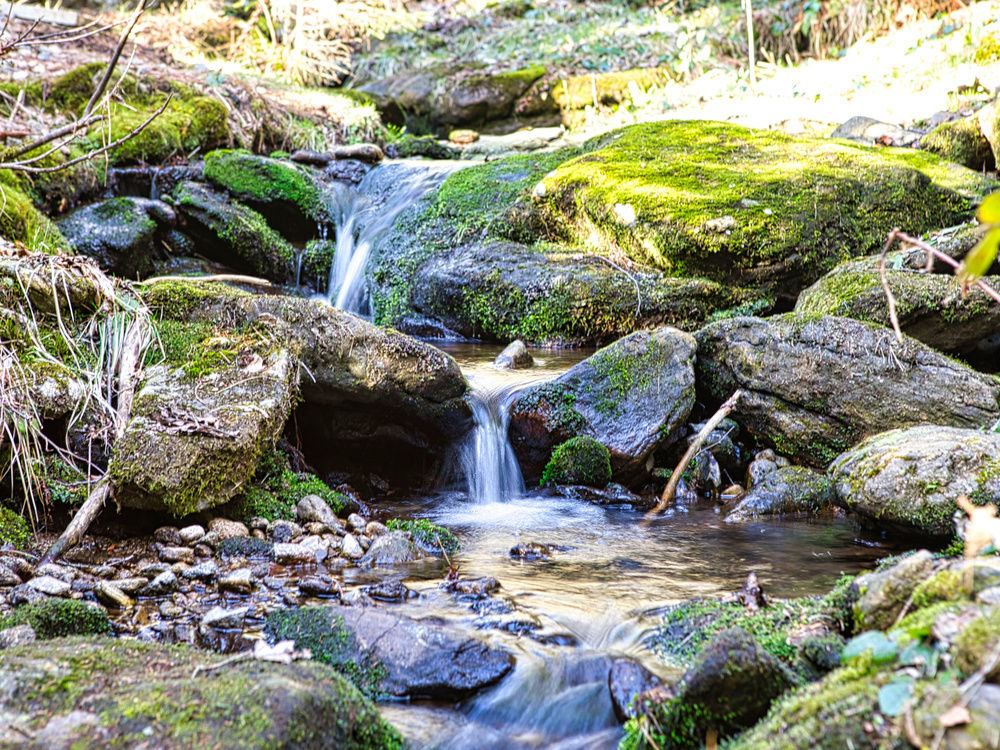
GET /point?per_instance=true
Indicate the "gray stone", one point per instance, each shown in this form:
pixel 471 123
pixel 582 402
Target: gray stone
pixel 292 554
pixel 908 480
pixel 515 357
pixel 17 635
pixel 632 396
pixel 813 387
pixel 375 528
pixel 223 528
pixel 163 584
pixel 627 680
pixel 786 490
pixel 191 534
pixel 240 581
pixel 50 586
pixel 176 554
pixel 885 592
pixel 351 548
pixel 131 585
pixel 219 618
pixel 205 571
pixel 313 508
pixel 111 595
pixel 118 233
pixel 356 522
pixel 62 572
pixel 8 577
pixel 870 131
pixel 392 548
pixel 319 586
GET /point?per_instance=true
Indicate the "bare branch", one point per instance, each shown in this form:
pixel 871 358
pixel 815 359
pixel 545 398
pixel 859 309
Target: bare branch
pixel 72 129
pixel 113 62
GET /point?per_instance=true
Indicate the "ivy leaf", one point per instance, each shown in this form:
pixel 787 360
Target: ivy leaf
pixel 892 697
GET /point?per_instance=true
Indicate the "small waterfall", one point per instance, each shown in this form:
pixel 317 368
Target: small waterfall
pixel 359 223
pixel 489 465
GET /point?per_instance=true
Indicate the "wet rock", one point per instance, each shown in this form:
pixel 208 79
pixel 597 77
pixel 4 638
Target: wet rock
pixel 19 635
pixel 388 591
pixel 191 534
pixel 369 153
pixel 791 489
pixel 176 554
pixel 613 494
pixel 632 396
pixel 169 535
pixel 314 509
pixel 111 595
pixel 62 572
pixel 205 571
pixel 514 357
pixel 392 548
pixel 240 581
pixel 350 171
pixel 245 546
pixel 319 586
pixel 580 460
pixel 250 699
pixel 49 586
pixel 223 528
pixel 908 480
pixel 292 554
pixel 351 548
pixel 356 522
pixel 164 583
pixel 627 680
pixel 25 594
pixel 813 387
pixel 885 592
pixel 219 618
pixel 764 464
pixel 154 569
pixel 120 234
pixel 131 585
pixel 375 528
pixel 170 611
pixel 472 587
pixel 284 531
pixel 530 551
pixel 420 659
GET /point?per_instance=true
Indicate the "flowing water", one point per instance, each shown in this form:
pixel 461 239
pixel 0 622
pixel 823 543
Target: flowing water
pixel 597 596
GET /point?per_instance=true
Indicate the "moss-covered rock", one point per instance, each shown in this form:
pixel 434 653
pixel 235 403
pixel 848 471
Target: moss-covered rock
pixel 234 234
pixel 739 205
pixel 788 490
pixel 928 306
pixel 883 593
pixel 962 142
pixel 118 233
pixel 21 221
pixel 816 386
pixel 55 618
pixel 580 460
pixel 286 193
pixel 99 693
pixel 14 529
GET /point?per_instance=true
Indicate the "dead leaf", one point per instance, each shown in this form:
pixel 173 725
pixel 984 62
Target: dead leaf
pixel 982 528
pixel 955 716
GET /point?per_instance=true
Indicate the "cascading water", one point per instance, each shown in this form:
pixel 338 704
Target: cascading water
pixel 360 221
pixel 489 465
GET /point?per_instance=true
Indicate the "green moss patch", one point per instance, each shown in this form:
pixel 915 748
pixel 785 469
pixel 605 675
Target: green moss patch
pixel 276 496
pixel 54 618
pixel 428 535
pixel 580 460
pixel 14 529
pixel 262 180
pixel 21 222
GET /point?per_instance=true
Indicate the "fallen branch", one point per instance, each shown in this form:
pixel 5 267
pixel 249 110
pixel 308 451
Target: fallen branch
pixel 81 521
pixel 692 451
pixel 234 278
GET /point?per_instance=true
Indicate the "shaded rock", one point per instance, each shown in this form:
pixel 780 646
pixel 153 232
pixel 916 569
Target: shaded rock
pixel 219 618
pixel 631 396
pixel 530 551
pixel 472 587
pixel 169 535
pixel 240 581
pixel 233 234
pixel 350 171
pixel 389 591
pixel 369 153
pixel 962 142
pixel 191 534
pixel 872 132
pixel 415 659
pixel 884 593
pixel 8 577
pixel 164 583
pixel 989 125
pixel 749 207
pixel 612 494
pixel 50 586
pixel 929 307
pixel 392 548
pixel 790 489
pixel 120 234
pixel 627 680
pixel 176 554
pixel 814 387
pixel 908 480
pixel 205 571
pixel 111 595
pixel 514 357
pixel 300 704
pixel 192 443
pixel 319 586
pixel 19 635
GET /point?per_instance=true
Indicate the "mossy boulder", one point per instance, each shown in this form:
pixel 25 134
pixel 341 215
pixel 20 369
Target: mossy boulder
pixel 989 122
pixel 908 480
pixel 884 592
pixel 22 222
pixel 233 234
pixel 285 193
pixel 194 439
pixel 55 618
pixel 101 693
pixel 439 98
pixel 14 529
pixel 929 307
pixel 120 234
pixel 961 141
pixel 787 490
pixel 632 396
pixel 814 387
pixel 743 206
pixel 580 460
pixel 387 654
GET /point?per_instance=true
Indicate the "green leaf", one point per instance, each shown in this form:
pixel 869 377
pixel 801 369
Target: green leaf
pixel 979 259
pixel 882 649
pixel 892 697
pixel 989 209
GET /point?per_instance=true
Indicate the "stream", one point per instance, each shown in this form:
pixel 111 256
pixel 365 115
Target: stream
pixel 597 596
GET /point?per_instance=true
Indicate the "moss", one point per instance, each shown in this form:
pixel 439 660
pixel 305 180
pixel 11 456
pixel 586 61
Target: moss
pixel 177 300
pixel 580 460
pixel 583 91
pixel 944 586
pixel 186 126
pixel 988 49
pixel 257 179
pixel 716 200
pixel 54 618
pixel 556 402
pixel 962 142
pixel 21 222
pixel 276 496
pixel 976 642
pixel 14 529
pixel 324 634
pixel 428 535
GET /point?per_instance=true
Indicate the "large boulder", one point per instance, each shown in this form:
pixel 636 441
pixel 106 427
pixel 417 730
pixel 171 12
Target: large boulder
pixel 814 387
pixel 745 206
pixel 76 692
pixel 632 396
pixel 370 397
pixel 929 307
pixel 909 479
pixel 388 654
pixel 961 141
pixel 194 440
pixel 441 97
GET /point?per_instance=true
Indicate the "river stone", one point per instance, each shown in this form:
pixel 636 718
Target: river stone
pixel 392 548
pixel 239 581
pixel 872 132
pixel 8 577
pixel 253 703
pixel 908 480
pixel 225 528
pixel 193 442
pixel 50 586
pixel 314 509
pixel 442 97
pixel 120 234
pixel 191 534
pixel 883 593
pixel 815 387
pixel 231 233
pixel 789 489
pixel 351 547
pixel 292 554
pixel 750 207
pixel 109 594
pixel 929 307
pixel 627 680
pixel 18 635
pixel 205 571
pixel 632 397
pixel 164 583
pixel 515 357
